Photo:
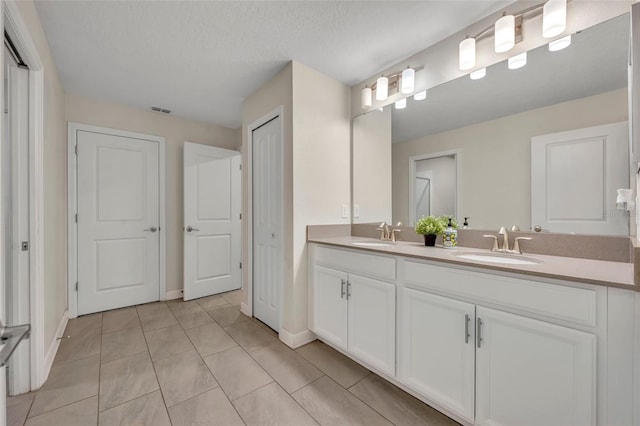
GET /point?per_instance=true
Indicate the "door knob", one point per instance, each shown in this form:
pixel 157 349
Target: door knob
pixel 152 229
pixel 190 228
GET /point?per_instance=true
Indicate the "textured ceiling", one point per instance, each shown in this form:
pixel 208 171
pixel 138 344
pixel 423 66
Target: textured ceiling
pixel 201 59
pixel 595 62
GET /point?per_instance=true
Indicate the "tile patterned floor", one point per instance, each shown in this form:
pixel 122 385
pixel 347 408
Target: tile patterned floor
pixel 202 362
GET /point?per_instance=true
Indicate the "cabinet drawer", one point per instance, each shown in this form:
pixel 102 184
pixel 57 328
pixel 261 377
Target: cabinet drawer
pixel 361 263
pixel 577 305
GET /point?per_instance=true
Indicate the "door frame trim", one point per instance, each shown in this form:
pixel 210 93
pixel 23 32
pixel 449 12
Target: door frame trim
pixel 72 199
pixel 21 36
pixel 275 113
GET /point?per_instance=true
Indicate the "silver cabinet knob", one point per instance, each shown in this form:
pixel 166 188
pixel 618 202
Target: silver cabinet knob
pixel 190 229
pixel 537 228
pixel 152 229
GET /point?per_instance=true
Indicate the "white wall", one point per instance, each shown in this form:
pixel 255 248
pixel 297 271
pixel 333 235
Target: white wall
pixel 495 158
pixel 55 187
pixel 371 166
pixel 175 130
pixel 321 171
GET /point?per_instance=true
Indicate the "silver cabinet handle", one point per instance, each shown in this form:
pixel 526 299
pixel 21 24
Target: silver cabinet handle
pixel 479 331
pixel 467 320
pixel 342 290
pixel 348 290
pixel 190 228
pixel 152 229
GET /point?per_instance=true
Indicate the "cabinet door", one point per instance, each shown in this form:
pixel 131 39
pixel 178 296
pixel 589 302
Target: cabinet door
pixel 330 305
pixel 437 349
pixel 530 372
pixel 372 322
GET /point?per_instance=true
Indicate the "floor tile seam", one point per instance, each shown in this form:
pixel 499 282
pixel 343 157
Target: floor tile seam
pixel 250 392
pixel 365 402
pixel 203 356
pixel 309 384
pixel 123 357
pixel 128 401
pixel 164 402
pixel 300 405
pixel 122 329
pixel 58 408
pixel 29 410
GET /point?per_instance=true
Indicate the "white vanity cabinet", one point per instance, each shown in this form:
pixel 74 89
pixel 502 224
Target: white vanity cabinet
pixel 533 372
pixel 437 349
pixel 354 312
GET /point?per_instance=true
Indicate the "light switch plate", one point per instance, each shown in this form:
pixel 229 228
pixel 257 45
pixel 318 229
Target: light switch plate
pixel 345 211
pixel 356 210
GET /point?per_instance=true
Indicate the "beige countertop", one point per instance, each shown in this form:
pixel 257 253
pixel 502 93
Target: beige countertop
pixel 612 274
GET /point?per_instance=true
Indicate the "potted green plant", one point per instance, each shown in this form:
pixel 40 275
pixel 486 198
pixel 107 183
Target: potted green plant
pixel 430 227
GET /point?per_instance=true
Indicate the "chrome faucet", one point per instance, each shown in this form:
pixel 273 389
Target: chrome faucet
pixel 505 238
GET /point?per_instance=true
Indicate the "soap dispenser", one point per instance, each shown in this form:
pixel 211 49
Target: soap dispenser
pixel 450 239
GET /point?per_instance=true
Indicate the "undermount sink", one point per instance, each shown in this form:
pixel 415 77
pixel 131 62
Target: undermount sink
pixel 370 244
pixel 506 259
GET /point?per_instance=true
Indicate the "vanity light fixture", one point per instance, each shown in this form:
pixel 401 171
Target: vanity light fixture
pixel 554 18
pixel 420 96
pixel 478 74
pixel 408 81
pixel 560 43
pixel 401 103
pixel 518 61
pixel 382 88
pixel 366 97
pixel 467 54
pixel 505 33
pixel 389 85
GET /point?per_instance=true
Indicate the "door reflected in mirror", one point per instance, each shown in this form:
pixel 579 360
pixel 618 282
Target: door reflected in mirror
pixel 434 180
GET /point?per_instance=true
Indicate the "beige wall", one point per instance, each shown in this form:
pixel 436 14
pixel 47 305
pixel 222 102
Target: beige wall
pixel 176 131
pixel 55 187
pixel 275 93
pixel 316 170
pixel 495 158
pixel 371 166
pixel 321 171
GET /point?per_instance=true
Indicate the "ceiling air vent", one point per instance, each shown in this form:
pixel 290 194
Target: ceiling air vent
pixel 162 110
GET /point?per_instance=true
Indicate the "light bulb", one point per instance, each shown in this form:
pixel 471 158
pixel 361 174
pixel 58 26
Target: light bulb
pixel 420 96
pixel 408 80
pixel 478 74
pixel 518 61
pixel 554 18
pixel 382 88
pixel 467 54
pixel 402 103
pixel 366 97
pixel 505 33
pixel 560 43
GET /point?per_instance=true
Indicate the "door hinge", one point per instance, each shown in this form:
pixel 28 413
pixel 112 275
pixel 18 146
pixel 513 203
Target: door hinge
pixel 76 217
pixel 76 285
pixel 76 149
pixel 240 216
pixel 25 246
pixel 240 166
pixel 240 265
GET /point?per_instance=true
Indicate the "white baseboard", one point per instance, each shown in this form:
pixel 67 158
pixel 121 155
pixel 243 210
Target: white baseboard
pixel 244 308
pixel 53 346
pixel 173 294
pixel 296 340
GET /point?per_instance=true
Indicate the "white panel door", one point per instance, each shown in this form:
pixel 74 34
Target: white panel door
pixel 118 220
pixel 212 240
pixel 574 178
pixel 372 322
pixel 530 372
pixel 329 298
pixel 267 223
pixel 437 349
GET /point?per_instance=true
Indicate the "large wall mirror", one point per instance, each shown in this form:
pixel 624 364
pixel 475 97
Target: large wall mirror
pixel 484 131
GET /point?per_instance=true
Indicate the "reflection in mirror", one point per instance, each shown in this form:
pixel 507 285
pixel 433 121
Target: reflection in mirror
pixel 433 181
pixel 491 123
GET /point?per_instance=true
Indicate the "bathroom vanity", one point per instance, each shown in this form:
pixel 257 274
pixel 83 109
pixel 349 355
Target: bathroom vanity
pixel 547 342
